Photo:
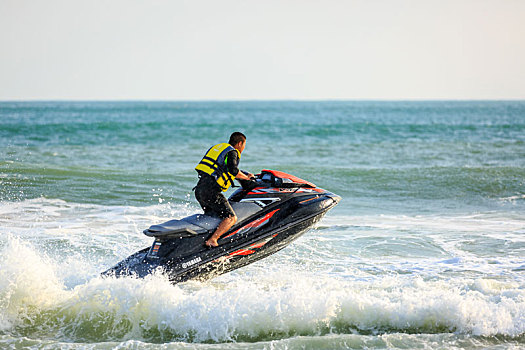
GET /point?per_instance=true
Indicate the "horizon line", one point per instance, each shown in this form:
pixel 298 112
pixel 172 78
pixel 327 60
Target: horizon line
pixel 275 100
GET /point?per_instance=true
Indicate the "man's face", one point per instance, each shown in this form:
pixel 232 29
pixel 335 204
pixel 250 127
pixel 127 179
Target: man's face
pixel 240 146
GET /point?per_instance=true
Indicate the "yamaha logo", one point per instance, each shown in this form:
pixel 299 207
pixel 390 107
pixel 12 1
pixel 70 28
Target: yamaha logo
pixel 191 262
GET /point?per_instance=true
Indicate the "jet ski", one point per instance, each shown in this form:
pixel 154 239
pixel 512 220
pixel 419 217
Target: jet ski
pixel 272 210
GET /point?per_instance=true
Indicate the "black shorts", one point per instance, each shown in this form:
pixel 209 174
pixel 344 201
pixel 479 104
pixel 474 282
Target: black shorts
pixel 212 201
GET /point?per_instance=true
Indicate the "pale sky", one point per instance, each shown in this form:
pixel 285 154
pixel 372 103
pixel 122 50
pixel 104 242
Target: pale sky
pixel 264 49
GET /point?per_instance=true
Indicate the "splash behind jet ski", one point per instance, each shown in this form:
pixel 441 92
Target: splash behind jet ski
pixel 272 211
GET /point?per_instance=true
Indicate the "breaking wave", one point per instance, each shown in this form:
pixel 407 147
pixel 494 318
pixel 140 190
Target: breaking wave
pixel 248 306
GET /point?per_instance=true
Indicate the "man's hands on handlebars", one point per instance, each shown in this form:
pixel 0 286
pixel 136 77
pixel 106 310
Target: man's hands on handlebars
pixel 244 175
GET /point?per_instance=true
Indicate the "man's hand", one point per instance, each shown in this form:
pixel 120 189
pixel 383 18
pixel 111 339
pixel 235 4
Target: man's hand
pixel 244 176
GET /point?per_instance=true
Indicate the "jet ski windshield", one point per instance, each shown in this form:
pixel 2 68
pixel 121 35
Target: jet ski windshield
pixel 279 179
pixel 274 178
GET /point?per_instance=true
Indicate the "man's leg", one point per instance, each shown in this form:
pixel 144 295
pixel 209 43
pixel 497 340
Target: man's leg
pixel 214 203
pixel 223 227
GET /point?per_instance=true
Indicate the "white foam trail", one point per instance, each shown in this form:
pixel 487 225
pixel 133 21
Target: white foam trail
pixel 238 308
pixel 48 285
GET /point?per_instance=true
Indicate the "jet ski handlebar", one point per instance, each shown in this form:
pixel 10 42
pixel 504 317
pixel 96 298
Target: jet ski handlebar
pixel 273 178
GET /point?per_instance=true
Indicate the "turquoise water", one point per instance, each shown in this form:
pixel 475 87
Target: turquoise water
pixel 426 249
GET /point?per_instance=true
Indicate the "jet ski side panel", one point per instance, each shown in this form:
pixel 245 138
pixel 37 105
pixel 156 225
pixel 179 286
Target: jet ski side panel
pixel 249 253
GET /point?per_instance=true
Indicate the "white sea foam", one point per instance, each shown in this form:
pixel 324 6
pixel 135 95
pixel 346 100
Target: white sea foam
pixel 49 283
pixel 282 304
pixel 492 222
pixel 513 199
pixel 28 282
pixel 58 217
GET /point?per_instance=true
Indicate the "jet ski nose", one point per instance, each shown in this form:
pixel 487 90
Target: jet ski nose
pixel 335 198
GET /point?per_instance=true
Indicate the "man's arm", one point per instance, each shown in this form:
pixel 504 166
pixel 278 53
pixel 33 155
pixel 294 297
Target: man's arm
pixel 233 163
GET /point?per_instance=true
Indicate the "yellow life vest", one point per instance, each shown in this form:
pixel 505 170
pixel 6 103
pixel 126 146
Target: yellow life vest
pixel 214 163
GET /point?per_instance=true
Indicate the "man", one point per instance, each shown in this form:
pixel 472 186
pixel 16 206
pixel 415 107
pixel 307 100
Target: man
pixel 217 170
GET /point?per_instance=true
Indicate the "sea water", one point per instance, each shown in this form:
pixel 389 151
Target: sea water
pixel 425 250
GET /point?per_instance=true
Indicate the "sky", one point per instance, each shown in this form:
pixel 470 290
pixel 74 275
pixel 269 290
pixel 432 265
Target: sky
pixel 262 50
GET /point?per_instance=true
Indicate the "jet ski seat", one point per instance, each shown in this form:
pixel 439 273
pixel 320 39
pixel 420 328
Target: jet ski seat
pixel 199 223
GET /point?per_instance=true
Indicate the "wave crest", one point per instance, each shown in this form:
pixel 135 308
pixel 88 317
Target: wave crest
pixel 241 307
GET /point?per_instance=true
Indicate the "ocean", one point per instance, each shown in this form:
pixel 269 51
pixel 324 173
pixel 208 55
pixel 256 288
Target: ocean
pixel 426 249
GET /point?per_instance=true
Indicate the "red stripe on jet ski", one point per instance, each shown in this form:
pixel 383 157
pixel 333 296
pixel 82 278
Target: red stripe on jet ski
pixel 255 190
pixel 242 252
pixel 255 223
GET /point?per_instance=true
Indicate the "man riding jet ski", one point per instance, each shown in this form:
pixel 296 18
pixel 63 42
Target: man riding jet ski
pixel 216 170
pixel 272 210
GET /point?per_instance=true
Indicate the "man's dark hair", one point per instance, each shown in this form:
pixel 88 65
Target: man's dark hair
pixel 236 137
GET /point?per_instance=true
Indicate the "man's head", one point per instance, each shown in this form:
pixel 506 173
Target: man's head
pixel 238 141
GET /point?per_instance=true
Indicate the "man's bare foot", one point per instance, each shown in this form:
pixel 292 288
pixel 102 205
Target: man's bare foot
pixel 212 243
